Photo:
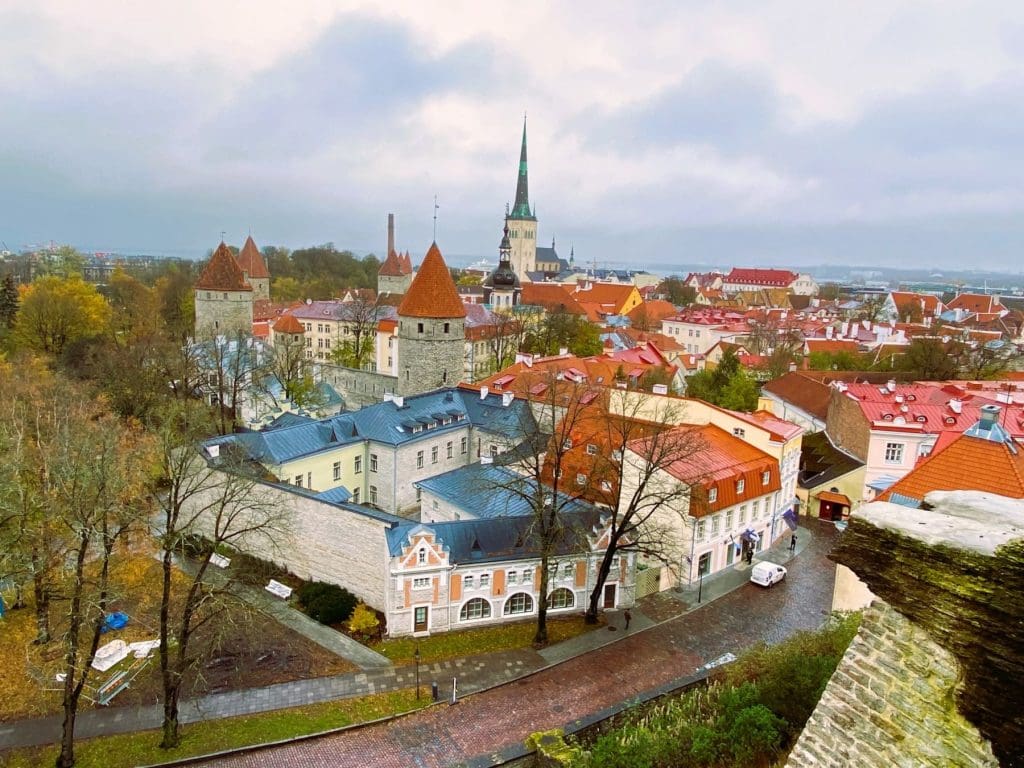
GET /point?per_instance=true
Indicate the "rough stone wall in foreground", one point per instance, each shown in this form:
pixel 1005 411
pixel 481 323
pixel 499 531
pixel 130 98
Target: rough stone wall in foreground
pixel 939 662
pixel 890 703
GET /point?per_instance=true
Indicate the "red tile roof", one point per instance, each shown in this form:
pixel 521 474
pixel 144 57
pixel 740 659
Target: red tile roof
pixel 654 310
pixel 966 464
pixel 393 266
pixel 552 296
pixel 222 273
pixel 288 324
pixel 831 346
pixel 433 292
pixel 251 260
pixel 724 461
pixel 976 302
pixel 779 278
pixel 805 392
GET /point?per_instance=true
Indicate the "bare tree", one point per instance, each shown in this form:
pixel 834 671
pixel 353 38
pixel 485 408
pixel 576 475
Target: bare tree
pixel 360 329
pixel 636 440
pixel 285 376
pixel 221 502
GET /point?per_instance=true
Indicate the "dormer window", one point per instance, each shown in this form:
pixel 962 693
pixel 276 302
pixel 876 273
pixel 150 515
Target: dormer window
pixel 739 485
pixel 421 556
pixel 766 478
pixel 712 495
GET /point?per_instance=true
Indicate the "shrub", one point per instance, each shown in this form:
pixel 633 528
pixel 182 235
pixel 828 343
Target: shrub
pixel 255 572
pixel 327 603
pixel 364 622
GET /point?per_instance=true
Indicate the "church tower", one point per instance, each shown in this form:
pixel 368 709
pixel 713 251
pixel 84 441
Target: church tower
pixel 431 329
pixel 223 298
pixel 521 222
pixel 502 288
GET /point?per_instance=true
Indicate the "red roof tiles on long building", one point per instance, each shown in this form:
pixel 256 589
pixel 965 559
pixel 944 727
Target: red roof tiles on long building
pixel 433 292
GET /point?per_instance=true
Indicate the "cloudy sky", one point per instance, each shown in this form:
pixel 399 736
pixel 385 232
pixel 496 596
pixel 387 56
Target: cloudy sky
pixel 659 132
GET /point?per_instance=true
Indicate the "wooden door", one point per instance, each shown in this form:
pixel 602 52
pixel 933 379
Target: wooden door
pixel 609 595
pixel 419 623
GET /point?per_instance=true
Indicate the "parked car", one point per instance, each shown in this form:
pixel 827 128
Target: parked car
pixel 766 574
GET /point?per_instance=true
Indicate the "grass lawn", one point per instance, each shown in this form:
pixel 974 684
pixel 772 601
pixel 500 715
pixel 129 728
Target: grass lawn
pixel 202 738
pixel 468 642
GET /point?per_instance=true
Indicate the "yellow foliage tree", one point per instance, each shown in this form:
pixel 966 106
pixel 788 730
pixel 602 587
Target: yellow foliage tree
pixel 364 621
pixel 56 311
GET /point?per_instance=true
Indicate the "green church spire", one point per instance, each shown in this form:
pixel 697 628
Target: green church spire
pixel 521 209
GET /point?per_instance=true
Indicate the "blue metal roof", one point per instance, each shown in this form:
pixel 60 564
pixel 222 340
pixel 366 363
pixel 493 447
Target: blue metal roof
pixel 487 491
pixel 497 539
pixel 419 416
pixel 338 495
pixel 359 509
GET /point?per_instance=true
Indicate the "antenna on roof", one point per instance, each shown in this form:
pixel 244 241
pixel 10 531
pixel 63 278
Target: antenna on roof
pixel 436 206
pixel 222 234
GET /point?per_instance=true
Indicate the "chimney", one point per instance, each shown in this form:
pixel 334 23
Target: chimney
pixel 792 366
pixel 828 332
pixel 563 351
pixel 484 391
pixel 391 234
pixel 398 400
pixel 891 384
pixel 844 329
pixel 507 398
pixel 956 406
pixel 989 416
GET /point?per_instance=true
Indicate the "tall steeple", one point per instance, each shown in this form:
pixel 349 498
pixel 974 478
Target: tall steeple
pixel 521 209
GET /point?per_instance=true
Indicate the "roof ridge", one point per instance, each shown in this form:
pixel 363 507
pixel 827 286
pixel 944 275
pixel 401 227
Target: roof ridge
pixel 432 293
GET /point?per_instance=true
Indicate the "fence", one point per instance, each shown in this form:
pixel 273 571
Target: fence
pixel 648 581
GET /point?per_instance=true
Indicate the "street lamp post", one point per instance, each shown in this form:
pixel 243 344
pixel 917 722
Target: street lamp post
pixel 416 656
pixel 700 584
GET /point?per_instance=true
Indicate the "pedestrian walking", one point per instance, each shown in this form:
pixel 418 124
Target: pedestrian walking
pixel 792 543
pixel 628 617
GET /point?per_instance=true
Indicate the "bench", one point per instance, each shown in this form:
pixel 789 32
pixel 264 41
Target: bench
pixel 278 589
pixel 220 561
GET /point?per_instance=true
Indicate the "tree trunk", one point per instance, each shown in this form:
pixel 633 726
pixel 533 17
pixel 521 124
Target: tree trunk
pixel 602 576
pixel 42 596
pixel 66 758
pixel 172 692
pixel 541 636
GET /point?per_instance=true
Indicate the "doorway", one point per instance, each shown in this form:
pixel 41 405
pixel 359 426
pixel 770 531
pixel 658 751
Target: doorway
pixel 420 616
pixel 609 595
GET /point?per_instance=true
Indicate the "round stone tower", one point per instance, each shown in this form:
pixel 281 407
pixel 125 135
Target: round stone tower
pixel 431 329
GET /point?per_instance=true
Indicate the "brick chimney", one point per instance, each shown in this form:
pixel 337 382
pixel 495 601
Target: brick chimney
pixel 934 676
pixel 391 235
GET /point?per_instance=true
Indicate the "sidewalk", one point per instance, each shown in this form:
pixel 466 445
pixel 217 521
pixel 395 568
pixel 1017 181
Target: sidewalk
pixel 474 673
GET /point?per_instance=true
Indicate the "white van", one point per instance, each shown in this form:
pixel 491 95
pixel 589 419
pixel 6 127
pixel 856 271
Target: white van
pixel 766 574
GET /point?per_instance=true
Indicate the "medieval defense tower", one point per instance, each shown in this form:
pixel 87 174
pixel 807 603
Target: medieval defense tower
pixel 431 329
pixel 223 297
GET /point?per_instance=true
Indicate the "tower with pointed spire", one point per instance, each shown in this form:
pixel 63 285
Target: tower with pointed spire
pixel 522 221
pixel 431 329
pixel 502 288
pixel 223 297
pixel 254 268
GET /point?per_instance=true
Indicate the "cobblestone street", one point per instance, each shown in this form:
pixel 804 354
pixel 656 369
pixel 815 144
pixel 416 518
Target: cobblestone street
pixel 488 722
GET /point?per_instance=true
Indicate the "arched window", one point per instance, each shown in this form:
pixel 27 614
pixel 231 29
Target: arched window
pixel 474 609
pixel 561 598
pixel 518 603
pixel 421 556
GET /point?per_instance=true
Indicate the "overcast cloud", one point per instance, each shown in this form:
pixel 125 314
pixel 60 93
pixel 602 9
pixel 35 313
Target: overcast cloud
pixel 721 133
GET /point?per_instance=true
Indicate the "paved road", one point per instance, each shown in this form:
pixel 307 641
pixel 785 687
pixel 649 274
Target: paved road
pixel 488 722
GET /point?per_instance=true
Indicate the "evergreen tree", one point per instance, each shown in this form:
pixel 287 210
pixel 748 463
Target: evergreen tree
pixel 8 301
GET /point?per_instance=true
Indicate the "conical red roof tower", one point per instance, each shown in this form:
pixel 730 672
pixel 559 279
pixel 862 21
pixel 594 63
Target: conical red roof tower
pixel 433 292
pixel 222 273
pixel 251 260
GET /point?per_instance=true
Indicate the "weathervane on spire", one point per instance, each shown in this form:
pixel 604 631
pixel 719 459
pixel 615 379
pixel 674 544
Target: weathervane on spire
pixel 222 234
pixel 436 206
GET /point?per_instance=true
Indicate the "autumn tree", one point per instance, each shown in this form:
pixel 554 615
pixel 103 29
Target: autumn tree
pixel 9 301
pixel 55 312
pixel 217 499
pixel 505 336
pixel 176 299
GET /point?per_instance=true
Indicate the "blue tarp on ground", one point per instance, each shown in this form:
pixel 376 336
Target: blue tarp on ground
pixel 114 621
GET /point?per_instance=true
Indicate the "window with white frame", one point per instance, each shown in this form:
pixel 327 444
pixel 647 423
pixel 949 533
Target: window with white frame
pixel 464 446
pixel 373 462
pixel 373 494
pixel 894 453
pixel 421 582
pixel 591 449
pixel 485 579
pixel 561 598
pixel 701 527
pixel 474 609
pixel 421 556
pixel 527 575
pixel 581 479
pixel 567 570
pixel 298 481
pixel 468 581
pixel 743 514
pixel 712 495
pixel 450 449
pixel 359 465
pixel 766 477
pixel 755 509
pixel 739 432
pixel 419 459
pixel 355 496
pixel 433 455
pixel 513 577
pixel 739 485
pixel 715 523
pixel 728 520
pixel 337 470
pixel 520 602
pixel 567 444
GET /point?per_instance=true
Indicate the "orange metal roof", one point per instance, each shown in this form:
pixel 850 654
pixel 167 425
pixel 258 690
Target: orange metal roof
pixel 288 324
pixel 433 292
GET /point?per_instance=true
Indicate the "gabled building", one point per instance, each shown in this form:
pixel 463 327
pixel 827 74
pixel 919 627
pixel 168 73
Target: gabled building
pixel 744 279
